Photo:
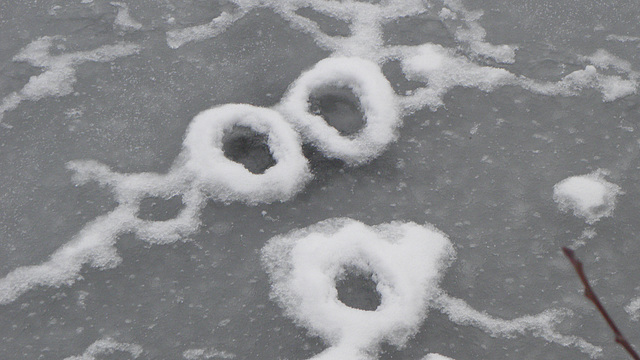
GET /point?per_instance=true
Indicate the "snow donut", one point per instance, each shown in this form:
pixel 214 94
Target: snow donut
pixel 406 260
pixel 377 101
pixel 227 180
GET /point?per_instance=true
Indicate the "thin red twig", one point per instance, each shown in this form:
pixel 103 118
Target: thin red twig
pixel 588 292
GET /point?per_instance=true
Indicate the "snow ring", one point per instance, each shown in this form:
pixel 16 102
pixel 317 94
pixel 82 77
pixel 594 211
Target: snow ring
pixel 377 100
pixel 227 180
pixel 407 261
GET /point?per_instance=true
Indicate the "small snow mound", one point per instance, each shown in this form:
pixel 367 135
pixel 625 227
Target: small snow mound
pixel 107 347
pixel 377 100
pixel 633 309
pixel 589 196
pixel 435 356
pixel 228 180
pixel 406 260
pixel 124 19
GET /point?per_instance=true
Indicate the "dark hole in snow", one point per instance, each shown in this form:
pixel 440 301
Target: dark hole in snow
pixel 357 289
pixel 339 107
pixel 249 148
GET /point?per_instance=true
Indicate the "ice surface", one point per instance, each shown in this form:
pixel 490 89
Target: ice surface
pixel 201 172
pixel 589 196
pixel 407 262
pixel 376 98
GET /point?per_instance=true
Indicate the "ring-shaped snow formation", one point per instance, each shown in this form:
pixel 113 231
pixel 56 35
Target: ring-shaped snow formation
pixel 377 101
pixel 228 180
pixel 405 259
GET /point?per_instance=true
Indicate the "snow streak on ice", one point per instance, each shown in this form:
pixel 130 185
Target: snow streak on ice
pixel 59 74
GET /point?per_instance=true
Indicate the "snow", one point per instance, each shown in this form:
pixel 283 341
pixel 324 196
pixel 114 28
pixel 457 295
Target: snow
pixel 124 19
pixel 406 259
pixel 179 37
pixel 474 34
pixel 541 325
pixel 201 354
pixel 226 180
pixel 443 70
pixel 436 357
pixel 107 346
pixel 202 171
pixel 376 97
pixel 588 196
pixel 59 74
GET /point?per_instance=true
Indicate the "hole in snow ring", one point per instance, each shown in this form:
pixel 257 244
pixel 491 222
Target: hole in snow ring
pixel 340 108
pixel 357 288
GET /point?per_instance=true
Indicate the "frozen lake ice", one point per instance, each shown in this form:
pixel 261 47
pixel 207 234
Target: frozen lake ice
pixel 290 179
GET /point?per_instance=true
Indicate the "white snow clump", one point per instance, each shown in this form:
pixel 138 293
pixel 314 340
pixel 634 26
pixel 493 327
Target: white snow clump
pixel 589 196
